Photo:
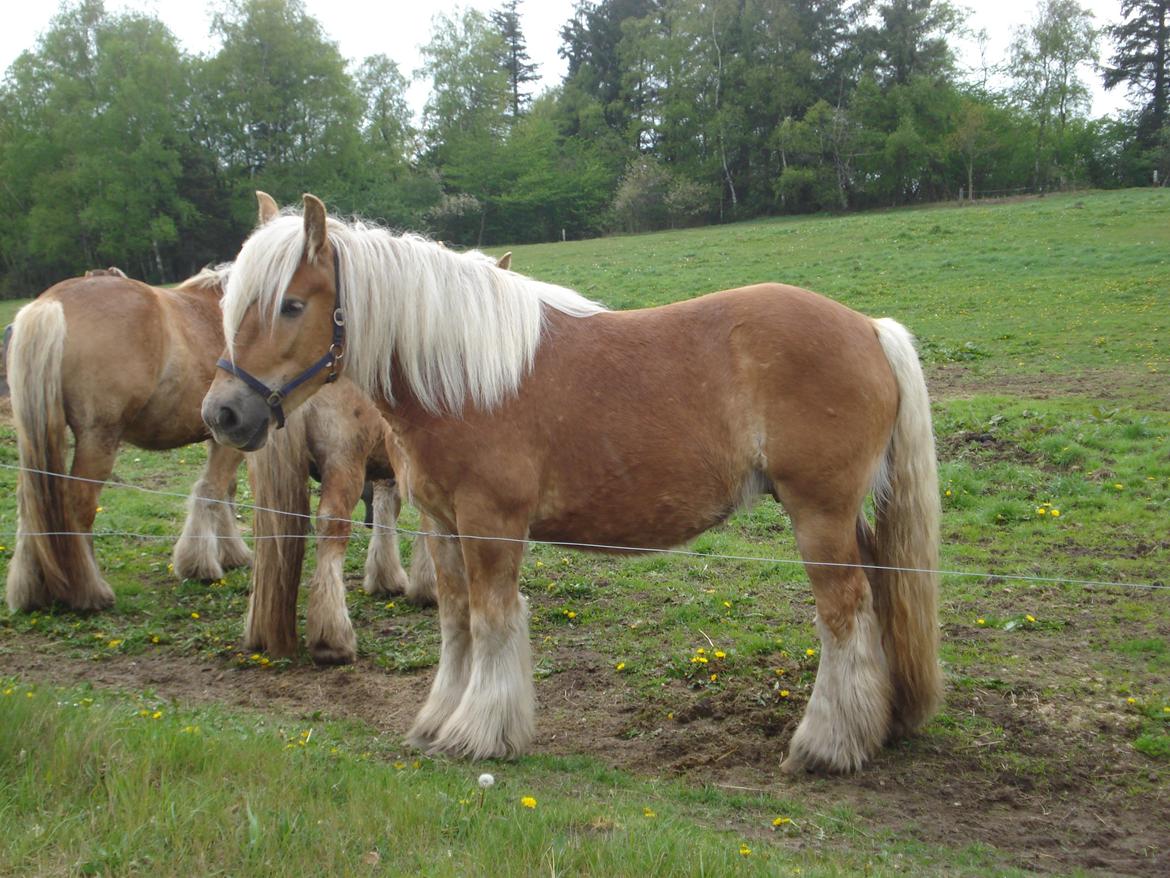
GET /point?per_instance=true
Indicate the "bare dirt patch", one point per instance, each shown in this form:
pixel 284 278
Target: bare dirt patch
pixel 958 381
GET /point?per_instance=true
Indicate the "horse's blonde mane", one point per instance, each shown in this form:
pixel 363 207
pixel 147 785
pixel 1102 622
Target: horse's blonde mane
pixel 458 327
pixel 207 277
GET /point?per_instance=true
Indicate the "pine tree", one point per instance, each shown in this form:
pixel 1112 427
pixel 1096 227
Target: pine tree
pixel 1141 61
pixel 516 61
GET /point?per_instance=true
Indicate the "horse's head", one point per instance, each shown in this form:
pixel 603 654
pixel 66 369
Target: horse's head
pixel 283 325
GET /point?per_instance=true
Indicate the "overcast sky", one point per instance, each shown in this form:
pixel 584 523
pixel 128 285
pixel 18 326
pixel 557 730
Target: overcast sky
pixel 398 29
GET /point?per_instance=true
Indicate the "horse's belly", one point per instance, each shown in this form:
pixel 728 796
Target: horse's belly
pixel 647 514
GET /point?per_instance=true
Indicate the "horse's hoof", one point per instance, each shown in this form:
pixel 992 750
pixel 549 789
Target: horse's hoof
pixel 332 655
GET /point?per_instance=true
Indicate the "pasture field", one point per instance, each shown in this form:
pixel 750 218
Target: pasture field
pixel 142 740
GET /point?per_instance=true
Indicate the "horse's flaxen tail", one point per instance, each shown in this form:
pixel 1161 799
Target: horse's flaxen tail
pixel 38 574
pixel 280 484
pixel 906 537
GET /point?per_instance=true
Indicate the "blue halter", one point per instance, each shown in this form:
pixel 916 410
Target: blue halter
pixel 329 360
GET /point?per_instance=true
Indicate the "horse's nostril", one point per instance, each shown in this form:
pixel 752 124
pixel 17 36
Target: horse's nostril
pixel 228 419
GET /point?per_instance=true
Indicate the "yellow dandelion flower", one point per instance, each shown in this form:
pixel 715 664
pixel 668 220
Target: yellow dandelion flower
pixel 416 764
pixel 156 715
pixel 114 644
pixel 389 605
pixel 702 659
pixel 670 715
pixel 154 639
pixel 1055 513
pixel 727 604
pixel 948 492
pixel 1119 486
pixel 144 712
pixel 1131 700
pixel 170 568
pixel 1166 710
pixel 399 766
pixel 99 509
pixel 781 821
pixel 194 615
pixel 700 651
pixel 779 672
pixel 648 812
pixel 620 666
pixel 1040 510
pixel 719 654
pixel 28 695
pixel 783 693
pixel 745 851
pixel 528 802
pixel 571 614
pixel 9 691
pixel 810 651
pixel 1029 618
pixel 980 621
pixel 264 662
pixel 538 564
pixel 714 677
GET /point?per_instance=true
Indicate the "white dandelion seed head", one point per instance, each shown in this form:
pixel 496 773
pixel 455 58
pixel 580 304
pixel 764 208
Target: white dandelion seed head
pixel 486 780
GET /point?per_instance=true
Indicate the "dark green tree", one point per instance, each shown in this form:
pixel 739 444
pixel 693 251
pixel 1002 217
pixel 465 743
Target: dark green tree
pixel 1142 62
pixel 521 70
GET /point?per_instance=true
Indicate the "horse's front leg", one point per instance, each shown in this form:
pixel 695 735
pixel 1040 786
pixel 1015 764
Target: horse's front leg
pixel 455 651
pixel 211 542
pixel 495 716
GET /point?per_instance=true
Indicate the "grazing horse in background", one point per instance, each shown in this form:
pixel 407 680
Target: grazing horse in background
pixel 526 411
pixel 116 360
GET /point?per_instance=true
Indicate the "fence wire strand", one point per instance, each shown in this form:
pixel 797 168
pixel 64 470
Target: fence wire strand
pixel 600 547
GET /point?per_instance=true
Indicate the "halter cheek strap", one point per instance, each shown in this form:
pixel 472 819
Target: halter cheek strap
pixel 275 398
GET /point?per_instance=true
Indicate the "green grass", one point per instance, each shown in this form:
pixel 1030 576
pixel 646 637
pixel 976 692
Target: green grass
pixel 98 784
pixel 1044 328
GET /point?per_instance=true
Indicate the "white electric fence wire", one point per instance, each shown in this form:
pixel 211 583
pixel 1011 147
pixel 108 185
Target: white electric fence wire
pixel 625 550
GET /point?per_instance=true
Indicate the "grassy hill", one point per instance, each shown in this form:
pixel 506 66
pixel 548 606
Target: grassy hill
pixel 1043 325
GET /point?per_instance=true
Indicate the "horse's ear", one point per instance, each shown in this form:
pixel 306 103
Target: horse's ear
pixel 505 261
pixel 267 205
pixel 314 226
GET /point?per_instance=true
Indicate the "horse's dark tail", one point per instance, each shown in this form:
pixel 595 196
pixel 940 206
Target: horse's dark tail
pixel 906 539
pixel 279 473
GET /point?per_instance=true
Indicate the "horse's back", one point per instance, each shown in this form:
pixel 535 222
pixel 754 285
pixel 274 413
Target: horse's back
pixel 128 365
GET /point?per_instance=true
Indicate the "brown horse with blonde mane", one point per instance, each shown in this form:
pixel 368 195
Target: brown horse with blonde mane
pixel 526 411
pixel 113 360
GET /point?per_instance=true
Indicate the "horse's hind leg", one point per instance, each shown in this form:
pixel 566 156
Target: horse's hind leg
pixel 328 630
pixel 93 461
pixel 455 653
pixel 384 573
pixel 211 542
pixel 848 715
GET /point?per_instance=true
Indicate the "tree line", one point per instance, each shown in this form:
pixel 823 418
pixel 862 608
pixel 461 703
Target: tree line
pixel 116 146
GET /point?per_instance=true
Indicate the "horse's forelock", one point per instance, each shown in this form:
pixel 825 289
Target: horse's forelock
pixel 262 272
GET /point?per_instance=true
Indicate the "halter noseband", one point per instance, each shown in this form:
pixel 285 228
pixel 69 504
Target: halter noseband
pixel 336 351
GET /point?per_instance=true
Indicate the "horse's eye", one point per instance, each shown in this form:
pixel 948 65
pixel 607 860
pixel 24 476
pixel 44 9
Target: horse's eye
pixel 291 308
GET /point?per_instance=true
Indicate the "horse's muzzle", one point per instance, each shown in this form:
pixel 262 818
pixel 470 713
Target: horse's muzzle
pixel 236 417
